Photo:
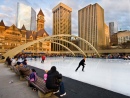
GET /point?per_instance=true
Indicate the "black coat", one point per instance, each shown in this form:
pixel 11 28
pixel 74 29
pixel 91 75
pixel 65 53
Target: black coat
pixel 82 62
pixel 52 80
pixel 8 60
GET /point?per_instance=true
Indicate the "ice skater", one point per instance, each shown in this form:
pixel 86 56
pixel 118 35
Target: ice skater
pixel 43 58
pixel 82 62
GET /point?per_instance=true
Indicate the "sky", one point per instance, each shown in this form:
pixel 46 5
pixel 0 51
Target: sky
pixel 114 11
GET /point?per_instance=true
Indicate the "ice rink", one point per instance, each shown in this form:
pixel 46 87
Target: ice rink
pixel 110 74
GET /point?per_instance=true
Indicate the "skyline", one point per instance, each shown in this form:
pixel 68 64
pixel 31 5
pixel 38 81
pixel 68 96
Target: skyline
pixel 113 11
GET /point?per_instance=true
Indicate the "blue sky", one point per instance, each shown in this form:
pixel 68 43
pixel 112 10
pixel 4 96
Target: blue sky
pixel 114 10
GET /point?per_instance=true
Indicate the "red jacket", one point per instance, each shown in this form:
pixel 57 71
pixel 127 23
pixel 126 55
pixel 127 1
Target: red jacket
pixel 43 57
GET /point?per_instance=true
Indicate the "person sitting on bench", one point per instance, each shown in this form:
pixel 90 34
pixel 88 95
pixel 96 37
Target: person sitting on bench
pixel 14 61
pixel 33 78
pixel 54 82
pixel 24 71
pixel 25 63
pixel 8 60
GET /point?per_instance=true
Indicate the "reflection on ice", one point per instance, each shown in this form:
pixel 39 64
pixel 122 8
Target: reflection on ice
pixel 111 74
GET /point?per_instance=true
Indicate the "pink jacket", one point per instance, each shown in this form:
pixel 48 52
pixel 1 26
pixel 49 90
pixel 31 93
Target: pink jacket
pixel 45 77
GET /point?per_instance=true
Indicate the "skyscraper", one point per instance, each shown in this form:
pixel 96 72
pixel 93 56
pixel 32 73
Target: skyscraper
pixel 25 16
pixel 61 23
pixel 113 28
pixel 107 35
pixel 91 26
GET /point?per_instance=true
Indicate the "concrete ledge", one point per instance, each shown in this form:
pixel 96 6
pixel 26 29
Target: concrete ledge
pixel 11 68
pixel 6 63
pixel 2 61
pixel 22 78
pixel 16 71
pixel 48 95
pixel 27 83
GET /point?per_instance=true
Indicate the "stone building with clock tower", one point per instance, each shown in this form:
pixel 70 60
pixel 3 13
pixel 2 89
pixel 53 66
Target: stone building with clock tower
pixel 41 33
pixel 40 20
pixel 11 37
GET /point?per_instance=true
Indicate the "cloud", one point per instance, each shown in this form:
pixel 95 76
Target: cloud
pixel 2 15
pixel 114 10
pixel 27 2
pixel 48 20
pixel 8 19
pixel 118 11
pixel 5 8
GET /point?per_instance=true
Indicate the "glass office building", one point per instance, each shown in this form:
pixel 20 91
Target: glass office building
pixel 26 16
pixel 113 28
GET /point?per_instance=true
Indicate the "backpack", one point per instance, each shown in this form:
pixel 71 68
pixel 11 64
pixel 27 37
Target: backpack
pixel 32 77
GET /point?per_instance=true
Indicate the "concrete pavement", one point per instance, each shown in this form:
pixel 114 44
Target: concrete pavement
pixel 17 89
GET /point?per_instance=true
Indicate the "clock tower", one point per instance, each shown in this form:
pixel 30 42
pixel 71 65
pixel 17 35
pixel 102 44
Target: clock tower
pixel 40 20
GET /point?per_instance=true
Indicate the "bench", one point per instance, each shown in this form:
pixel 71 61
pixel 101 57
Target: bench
pixel 16 70
pixel 43 92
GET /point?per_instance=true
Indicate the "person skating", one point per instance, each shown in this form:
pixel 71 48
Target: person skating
pixel 43 58
pixel 82 62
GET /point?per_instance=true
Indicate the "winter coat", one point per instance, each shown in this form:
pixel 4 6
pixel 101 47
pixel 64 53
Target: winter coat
pixel 52 81
pixel 82 62
pixel 43 57
pixel 24 71
pixel 33 77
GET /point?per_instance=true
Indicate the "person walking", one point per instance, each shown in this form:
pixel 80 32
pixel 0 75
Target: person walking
pixel 82 62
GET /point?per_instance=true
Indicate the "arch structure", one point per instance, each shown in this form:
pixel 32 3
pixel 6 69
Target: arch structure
pixel 18 49
pixel 64 47
pixel 53 39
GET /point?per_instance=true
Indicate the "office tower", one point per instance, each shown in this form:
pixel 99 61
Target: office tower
pixel 61 24
pixel 113 28
pixel 91 26
pixel 25 16
pixel 107 36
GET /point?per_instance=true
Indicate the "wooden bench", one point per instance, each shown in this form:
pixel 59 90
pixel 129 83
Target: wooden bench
pixel 43 92
pixel 16 70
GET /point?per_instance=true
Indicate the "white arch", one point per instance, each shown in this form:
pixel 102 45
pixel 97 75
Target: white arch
pixel 69 43
pixel 18 49
pixel 64 47
pixel 21 47
pixel 67 35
